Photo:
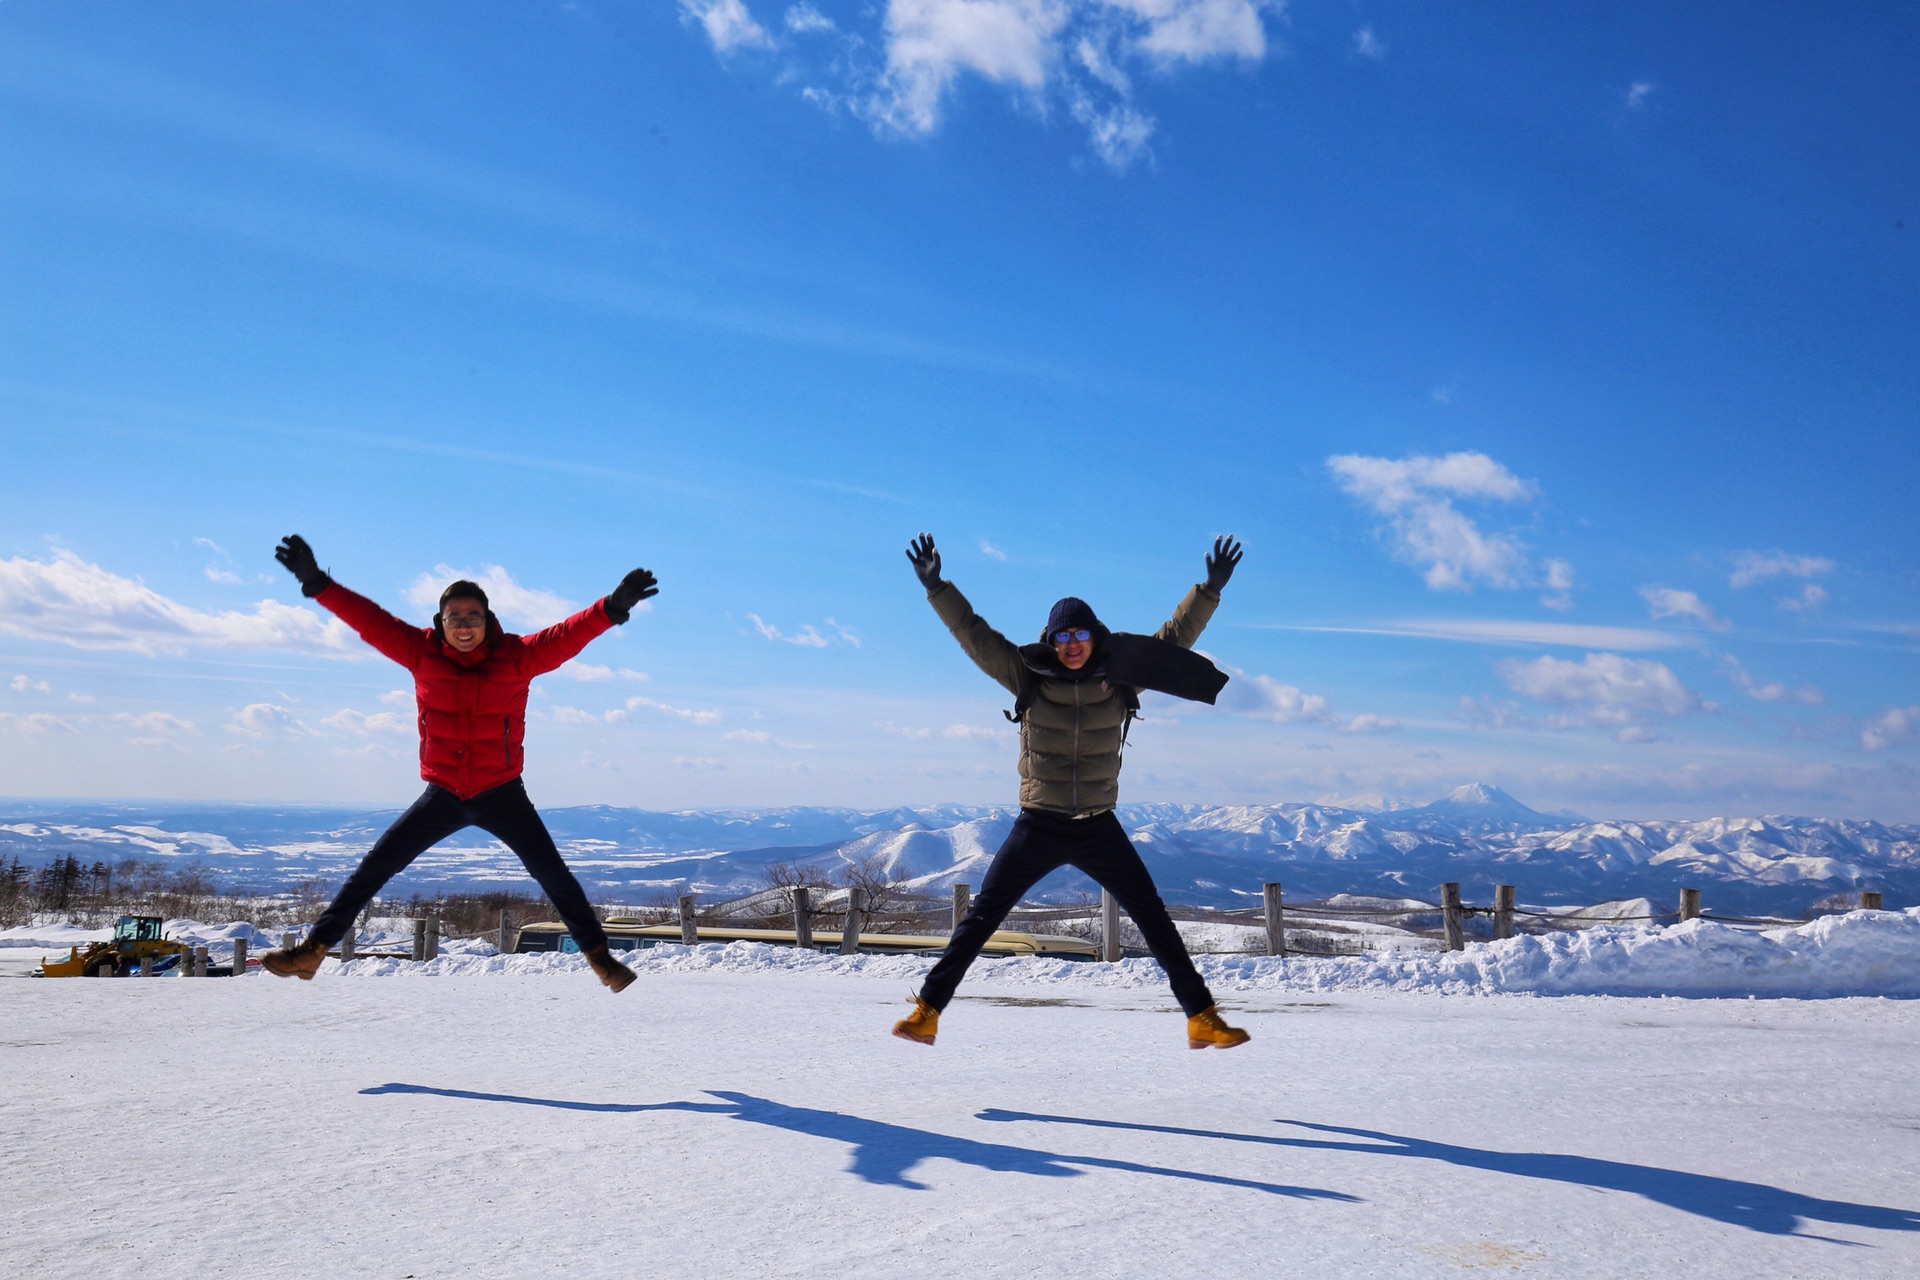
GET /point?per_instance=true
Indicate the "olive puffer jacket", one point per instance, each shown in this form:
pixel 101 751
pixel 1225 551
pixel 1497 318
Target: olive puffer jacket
pixel 1070 737
pixel 473 706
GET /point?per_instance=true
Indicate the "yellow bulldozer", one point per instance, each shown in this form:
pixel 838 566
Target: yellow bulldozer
pixel 136 946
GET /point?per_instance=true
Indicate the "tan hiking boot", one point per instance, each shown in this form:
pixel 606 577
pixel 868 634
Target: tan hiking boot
pixel 616 975
pixel 1208 1030
pixel 921 1025
pixel 300 961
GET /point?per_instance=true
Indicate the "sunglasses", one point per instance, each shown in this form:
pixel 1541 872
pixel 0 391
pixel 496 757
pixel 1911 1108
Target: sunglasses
pixel 464 621
pixel 1068 637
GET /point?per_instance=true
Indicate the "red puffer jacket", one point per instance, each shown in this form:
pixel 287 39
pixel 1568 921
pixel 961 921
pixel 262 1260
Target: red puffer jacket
pixel 473 706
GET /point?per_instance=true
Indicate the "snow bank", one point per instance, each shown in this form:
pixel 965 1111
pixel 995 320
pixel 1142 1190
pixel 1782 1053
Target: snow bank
pixel 1863 953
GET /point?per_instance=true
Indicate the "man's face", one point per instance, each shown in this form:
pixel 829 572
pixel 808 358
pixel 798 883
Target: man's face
pixel 1073 647
pixel 464 623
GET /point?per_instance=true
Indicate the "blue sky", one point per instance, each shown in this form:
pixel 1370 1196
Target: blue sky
pixel 1556 367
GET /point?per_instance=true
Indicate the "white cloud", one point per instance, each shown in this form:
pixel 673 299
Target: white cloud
pixel 1774 692
pixel 39 722
pixel 82 698
pixel 525 607
pixel 1264 698
pixel 1750 567
pixel 807 637
pixel 1559 584
pixel 679 713
pixel 908 732
pixel 978 733
pixel 1416 495
pixel 803 18
pixel 574 715
pixel 991 552
pixel 1812 598
pixel 1604 689
pixel 1571 635
pixel 74 602
pixel 1370 723
pixel 398 698
pixel 156 722
pixel 899 67
pixel 1891 726
pixel 746 735
pixel 589 673
pixel 728 24
pixel 1367 44
pixel 347 720
pixel 1637 95
pixel 266 720
pixel 21 684
pixel 1665 602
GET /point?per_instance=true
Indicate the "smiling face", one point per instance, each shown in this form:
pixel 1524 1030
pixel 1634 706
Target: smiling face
pixel 1073 647
pixel 463 622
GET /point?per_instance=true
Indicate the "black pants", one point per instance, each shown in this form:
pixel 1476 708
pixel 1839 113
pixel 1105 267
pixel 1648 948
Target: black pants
pixel 1041 843
pixel 505 812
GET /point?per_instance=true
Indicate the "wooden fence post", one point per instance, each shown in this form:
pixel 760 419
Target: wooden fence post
pixel 346 946
pixel 1689 904
pixel 1454 920
pixel 419 939
pixel 239 957
pixel 962 900
pixel 1870 901
pixel 850 931
pixel 433 937
pixel 1276 925
pixel 200 960
pixel 286 941
pixel 506 938
pixel 1503 911
pixel 1109 927
pixel 803 917
pixel 689 931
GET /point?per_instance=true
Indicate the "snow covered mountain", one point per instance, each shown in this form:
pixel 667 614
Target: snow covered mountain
pixel 1200 854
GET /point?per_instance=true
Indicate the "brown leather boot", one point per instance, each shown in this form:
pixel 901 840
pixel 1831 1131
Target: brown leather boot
pixel 921 1025
pixel 300 961
pixel 616 975
pixel 1208 1030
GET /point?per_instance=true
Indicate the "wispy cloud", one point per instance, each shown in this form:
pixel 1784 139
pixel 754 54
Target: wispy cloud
pixel 358 723
pixel 1370 723
pixel 1889 728
pixel 899 68
pixel 1368 45
pixel 808 636
pixel 1415 496
pixel 591 673
pixel 1812 599
pixel 1638 93
pixel 517 605
pixel 727 24
pixel 1569 635
pixel 678 713
pixel 71 601
pixel 155 722
pixel 991 552
pixel 1750 567
pixel 1665 602
pixel 22 684
pixel 1264 698
pixel 1770 692
pixel 267 720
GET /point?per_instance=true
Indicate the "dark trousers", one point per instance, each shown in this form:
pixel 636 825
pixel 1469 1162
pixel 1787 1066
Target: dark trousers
pixel 1041 843
pixel 504 812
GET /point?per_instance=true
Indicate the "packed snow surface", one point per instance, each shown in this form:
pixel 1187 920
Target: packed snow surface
pixel 742 1112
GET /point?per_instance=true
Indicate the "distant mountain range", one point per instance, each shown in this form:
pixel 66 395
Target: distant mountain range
pixel 1203 855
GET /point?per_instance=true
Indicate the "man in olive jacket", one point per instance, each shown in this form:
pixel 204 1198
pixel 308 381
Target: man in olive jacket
pixel 1073 725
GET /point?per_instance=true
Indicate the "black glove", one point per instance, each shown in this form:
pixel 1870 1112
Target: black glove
pixel 294 553
pixel 1221 564
pixel 635 587
pixel 926 561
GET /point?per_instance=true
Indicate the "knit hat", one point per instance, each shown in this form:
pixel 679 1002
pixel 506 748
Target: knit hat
pixel 1073 613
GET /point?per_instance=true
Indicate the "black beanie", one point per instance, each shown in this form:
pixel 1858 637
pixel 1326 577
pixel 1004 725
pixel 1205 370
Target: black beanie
pixel 1072 613
pixel 463 590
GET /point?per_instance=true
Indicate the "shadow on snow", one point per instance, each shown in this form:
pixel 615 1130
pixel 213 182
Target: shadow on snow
pixel 1752 1205
pixel 883 1154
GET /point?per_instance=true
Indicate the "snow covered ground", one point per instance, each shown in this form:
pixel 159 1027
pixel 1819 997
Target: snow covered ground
pixel 741 1111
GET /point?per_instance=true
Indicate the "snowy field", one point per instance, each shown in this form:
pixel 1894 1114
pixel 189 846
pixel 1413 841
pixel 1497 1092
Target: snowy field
pixel 742 1111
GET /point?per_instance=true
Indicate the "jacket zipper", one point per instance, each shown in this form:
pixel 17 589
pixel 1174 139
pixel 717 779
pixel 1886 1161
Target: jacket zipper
pixel 1076 748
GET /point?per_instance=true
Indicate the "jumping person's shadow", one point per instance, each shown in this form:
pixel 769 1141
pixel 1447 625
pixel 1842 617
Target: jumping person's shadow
pixel 1752 1205
pixel 883 1154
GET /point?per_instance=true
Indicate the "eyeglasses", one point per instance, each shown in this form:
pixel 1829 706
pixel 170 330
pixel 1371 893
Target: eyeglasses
pixel 464 621
pixel 1068 637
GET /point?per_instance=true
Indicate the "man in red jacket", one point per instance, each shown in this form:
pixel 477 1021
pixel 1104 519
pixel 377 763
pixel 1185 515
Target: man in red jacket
pixel 470 680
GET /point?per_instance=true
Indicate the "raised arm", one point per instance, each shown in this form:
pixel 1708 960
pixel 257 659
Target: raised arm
pixel 992 652
pixel 564 640
pixel 1194 612
pixel 375 625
